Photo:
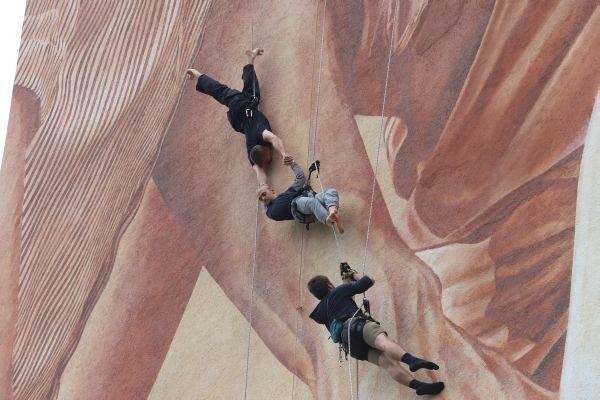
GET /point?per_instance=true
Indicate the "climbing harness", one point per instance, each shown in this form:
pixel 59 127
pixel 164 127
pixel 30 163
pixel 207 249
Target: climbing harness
pixel 306 191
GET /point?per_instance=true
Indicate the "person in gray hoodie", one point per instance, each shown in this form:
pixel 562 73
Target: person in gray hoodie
pixel 301 204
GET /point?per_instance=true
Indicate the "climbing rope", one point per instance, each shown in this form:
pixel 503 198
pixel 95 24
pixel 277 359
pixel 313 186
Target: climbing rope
pixel 314 141
pixel 251 308
pixel 387 74
pixel 335 235
pixel 252 48
pixel 316 130
pixel 319 80
pixel 298 321
pixel 337 240
pixel 349 370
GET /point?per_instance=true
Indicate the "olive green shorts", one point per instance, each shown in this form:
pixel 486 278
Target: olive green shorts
pixel 370 332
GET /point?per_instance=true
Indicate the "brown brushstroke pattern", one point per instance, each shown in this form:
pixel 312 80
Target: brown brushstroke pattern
pixel 476 88
pixel 23 123
pixel 527 86
pixel 98 68
pixel 144 299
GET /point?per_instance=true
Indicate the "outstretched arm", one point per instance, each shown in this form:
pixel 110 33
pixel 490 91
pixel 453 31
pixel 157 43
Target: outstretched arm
pixel 278 144
pixel 193 74
pixel 357 276
pixel 360 286
pixel 300 179
pixel 261 175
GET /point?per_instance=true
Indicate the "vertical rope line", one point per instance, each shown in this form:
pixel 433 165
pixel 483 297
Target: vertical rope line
pixel 357 394
pixel 337 239
pixel 302 257
pixel 255 226
pixel 319 79
pixel 387 74
pixel 251 298
pixel 252 46
pixel 349 363
pixel 313 90
pixel 298 322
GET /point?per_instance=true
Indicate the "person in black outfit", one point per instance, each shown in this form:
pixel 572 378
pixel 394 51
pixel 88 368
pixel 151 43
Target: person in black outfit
pixel 368 340
pixel 243 114
pixel 302 206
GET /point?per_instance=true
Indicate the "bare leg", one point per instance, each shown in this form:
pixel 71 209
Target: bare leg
pixel 395 370
pixel 389 347
pixel 405 378
pixel 394 351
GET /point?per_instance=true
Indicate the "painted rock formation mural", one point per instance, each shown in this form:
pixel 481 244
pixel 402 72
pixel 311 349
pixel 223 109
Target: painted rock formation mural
pixel 137 264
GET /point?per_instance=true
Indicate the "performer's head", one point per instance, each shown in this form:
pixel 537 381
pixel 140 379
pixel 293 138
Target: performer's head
pixel 265 194
pixel 320 286
pixel 260 155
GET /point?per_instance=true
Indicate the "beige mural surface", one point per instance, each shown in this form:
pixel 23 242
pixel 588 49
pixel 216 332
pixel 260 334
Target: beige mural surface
pixel 135 263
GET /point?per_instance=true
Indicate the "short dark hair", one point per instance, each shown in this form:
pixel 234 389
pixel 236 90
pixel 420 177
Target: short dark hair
pixel 257 154
pixel 319 286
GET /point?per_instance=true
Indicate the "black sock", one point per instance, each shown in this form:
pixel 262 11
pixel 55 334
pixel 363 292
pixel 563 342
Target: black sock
pixel 416 363
pixel 415 384
pixel 430 388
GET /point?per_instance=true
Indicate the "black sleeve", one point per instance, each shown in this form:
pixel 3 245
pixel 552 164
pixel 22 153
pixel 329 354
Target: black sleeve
pixel 360 286
pixel 251 87
pixel 299 177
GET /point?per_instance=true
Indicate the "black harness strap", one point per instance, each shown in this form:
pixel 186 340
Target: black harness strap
pixel 306 191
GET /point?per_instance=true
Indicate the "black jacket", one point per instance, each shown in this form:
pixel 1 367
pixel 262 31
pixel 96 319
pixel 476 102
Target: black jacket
pixel 338 304
pixel 280 208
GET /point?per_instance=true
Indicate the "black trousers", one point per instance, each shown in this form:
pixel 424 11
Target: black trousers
pixel 229 97
pixel 243 114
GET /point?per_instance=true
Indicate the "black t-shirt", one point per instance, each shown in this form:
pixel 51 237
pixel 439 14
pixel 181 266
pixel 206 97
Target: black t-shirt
pixel 338 304
pixel 280 208
pixel 253 128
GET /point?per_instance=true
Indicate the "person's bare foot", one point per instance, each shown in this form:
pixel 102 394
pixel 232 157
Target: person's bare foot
pixel 334 219
pixel 336 224
pixel 252 54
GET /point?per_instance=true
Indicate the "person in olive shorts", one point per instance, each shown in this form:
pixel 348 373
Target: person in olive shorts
pixel 368 340
pixel 243 114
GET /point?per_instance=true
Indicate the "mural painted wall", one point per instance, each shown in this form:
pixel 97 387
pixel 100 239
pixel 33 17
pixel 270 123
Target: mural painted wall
pixel 135 261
